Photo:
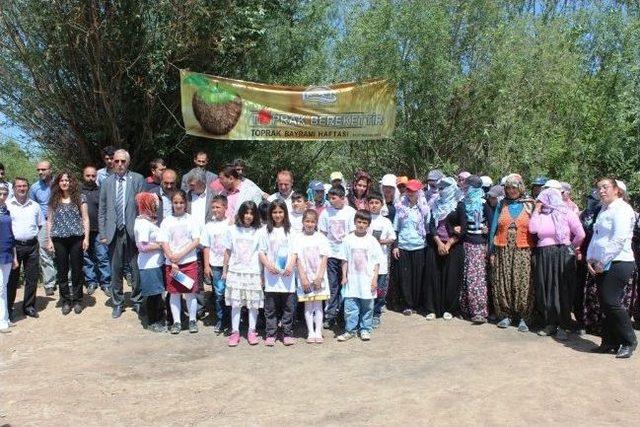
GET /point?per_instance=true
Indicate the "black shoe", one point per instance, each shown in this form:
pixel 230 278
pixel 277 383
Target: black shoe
pixel 217 328
pixel 66 308
pixel 77 308
pixel 49 292
pixel 136 308
pixel 327 324
pixel 31 312
pixel 625 351
pixel 201 314
pixel 107 291
pixel 91 288
pixel 604 349
pixel 117 311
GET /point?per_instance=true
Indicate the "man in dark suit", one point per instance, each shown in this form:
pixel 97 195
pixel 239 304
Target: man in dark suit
pixel 116 217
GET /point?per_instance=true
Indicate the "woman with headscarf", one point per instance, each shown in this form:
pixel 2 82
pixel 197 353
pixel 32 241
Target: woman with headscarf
pixel 510 246
pixel 559 235
pixel 412 252
pixel 150 259
pixel 474 232
pixel 446 219
pixel 391 196
pixel 566 197
pixel 610 260
pixel 357 197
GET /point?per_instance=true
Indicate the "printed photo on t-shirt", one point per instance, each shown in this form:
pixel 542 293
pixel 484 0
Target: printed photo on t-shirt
pixel 311 256
pixel 244 250
pixel 360 259
pixel 180 236
pixel 337 229
pixel 217 247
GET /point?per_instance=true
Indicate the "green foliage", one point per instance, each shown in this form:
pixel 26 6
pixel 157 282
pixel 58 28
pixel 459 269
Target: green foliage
pixel 16 161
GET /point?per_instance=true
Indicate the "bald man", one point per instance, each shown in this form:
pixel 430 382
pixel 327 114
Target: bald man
pixel 40 192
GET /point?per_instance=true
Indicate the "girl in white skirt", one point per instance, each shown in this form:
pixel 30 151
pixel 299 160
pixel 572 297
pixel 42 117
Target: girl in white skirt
pixel 313 251
pixel 241 270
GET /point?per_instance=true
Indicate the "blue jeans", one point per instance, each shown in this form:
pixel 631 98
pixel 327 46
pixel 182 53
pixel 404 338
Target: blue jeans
pixel 334 274
pixel 219 286
pixel 97 269
pixel 381 295
pixel 358 314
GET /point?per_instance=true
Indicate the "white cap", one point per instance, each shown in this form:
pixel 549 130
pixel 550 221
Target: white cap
pixel 503 180
pixel 388 180
pixel 486 181
pixel 621 185
pixel 552 183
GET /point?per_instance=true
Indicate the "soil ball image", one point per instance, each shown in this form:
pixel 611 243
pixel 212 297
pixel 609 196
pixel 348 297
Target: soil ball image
pixel 217 118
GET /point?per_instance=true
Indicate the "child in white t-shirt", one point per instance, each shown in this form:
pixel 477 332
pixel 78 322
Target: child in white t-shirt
pixel 298 206
pixel 150 260
pixel 335 222
pixel 278 260
pixel 382 229
pixel 362 256
pixel 212 241
pixel 180 237
pixel 312 249
pixel 241 270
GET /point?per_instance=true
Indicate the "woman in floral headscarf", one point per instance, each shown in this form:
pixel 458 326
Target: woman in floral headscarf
pixel 559 234
pixel 446 221
pixel 357 197
pixel 510 245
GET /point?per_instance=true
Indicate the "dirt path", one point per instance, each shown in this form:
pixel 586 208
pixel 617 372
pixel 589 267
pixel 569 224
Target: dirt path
pixel 89 369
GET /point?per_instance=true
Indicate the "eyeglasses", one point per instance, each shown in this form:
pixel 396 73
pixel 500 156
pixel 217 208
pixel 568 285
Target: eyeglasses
pixel 42 170
pixel 119 161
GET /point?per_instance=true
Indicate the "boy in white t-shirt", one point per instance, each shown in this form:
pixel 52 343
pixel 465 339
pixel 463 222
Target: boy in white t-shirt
pixel 336 222
pixel 362 256
pixel 213 251
pixel 382 229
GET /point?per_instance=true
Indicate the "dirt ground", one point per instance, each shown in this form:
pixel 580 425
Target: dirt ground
pixel 89 369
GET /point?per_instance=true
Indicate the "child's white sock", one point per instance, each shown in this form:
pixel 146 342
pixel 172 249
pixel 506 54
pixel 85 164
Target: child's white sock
pixel 235 318
pixel 309 307
pixel 253 318
pixel 192 305
pixel 175 302
pixel 317 309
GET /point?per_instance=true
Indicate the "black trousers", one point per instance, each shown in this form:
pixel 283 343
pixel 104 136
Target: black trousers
pixel 616 323
pixel 122 252
pixel 29 258
pixel 68 253
pixel 155 308
pixel 411 276
pixel 279 305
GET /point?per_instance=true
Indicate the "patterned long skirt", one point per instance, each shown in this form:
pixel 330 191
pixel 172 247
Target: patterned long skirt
pixel 513 293
pixel 592 315
pixel 473 293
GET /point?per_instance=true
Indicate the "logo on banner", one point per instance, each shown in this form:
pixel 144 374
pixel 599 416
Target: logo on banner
pixel 319 95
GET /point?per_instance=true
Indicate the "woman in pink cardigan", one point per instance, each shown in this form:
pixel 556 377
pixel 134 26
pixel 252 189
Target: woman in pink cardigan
pixel 560 234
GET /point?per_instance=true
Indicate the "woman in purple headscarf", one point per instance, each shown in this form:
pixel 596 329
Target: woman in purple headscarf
pixel 559 234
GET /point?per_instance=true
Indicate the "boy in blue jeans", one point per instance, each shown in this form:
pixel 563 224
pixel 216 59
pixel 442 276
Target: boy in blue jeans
pixel 382 229
pixel 361 255
pixel 213 253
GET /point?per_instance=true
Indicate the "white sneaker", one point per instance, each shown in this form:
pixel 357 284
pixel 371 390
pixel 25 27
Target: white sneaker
pixel 365 336
pixel 346 336
pixel 431 316
pixel 447 316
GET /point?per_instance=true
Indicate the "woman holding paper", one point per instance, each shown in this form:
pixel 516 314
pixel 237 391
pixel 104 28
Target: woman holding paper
pixel 180 237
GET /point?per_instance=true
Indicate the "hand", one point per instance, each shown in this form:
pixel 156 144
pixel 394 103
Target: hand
pixel 442 249
pixel 317 283
pixel 344 281
pixel 174 268
pixel 578 256
pixel 374 286
pixel 103 240
pixel 598 267
pixel 174 258
pixel 223 276
pixel 287 271
pixel 15 264
pixel 591 269
pixel 85 244
pixel 492 260
pixel 207 271
pixel 538 206
pixel 272 269
pixel 49 247
pixel 396 253
pixel 306 287
pixel 457 229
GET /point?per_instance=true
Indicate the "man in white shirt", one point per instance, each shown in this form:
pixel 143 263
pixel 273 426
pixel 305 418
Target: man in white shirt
pixel 284 181
pixel 26 221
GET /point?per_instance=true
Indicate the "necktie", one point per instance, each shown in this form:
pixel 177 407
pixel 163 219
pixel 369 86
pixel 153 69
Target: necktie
pixel 120 203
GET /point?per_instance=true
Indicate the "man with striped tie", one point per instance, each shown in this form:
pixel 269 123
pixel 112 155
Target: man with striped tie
pixel 116 216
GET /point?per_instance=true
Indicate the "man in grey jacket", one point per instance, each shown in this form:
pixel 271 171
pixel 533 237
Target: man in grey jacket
pixel 116 217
